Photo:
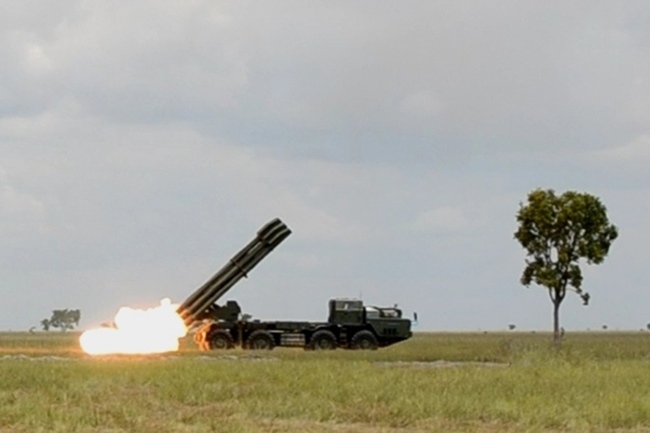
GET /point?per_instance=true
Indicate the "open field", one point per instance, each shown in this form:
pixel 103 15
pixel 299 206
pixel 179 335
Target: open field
pixel 490 382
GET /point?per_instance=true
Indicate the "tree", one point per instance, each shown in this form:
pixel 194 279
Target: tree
pixel 558 232
pixel 62 319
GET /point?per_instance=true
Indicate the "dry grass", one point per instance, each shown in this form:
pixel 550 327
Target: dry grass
pixel 596 382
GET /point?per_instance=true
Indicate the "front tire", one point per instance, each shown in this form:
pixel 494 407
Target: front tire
pixel 260 340
pixel 323 340
pixel 221 340
pixel 364 340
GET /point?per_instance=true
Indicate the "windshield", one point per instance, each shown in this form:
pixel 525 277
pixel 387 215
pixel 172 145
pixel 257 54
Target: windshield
pixel 391 313
pixel 372 313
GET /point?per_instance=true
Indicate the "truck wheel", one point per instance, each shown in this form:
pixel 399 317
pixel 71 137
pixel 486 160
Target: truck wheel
pixel 364 340
pixel 323 340
pixel 221 340
pixel 260 340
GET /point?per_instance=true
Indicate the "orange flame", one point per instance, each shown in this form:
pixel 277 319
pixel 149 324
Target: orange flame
pixel 155 330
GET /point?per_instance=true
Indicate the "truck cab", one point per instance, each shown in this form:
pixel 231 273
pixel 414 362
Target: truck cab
pixel 385 323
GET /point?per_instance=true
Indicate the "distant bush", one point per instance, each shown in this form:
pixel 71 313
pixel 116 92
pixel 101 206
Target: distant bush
pixel 62 319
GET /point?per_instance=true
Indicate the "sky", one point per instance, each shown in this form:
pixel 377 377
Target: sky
pixel 142 144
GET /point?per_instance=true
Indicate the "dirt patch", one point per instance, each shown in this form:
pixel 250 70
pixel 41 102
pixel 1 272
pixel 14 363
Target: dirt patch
pixel 123 357
pixel 208 358
pixel 32 358
pixel 441 364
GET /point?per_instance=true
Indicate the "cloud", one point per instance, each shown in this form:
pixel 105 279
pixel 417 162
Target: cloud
pixel 334 83
pixel 20 212
pixel 144 139
pixel 421 104
pixel 635 152
pixel 441 220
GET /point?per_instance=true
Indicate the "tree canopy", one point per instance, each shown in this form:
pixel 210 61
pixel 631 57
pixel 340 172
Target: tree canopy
pixel 62 319
pixel 558 232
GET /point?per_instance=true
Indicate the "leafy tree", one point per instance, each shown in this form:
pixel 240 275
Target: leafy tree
pixel 558 232
pixel 512 326
pixel 62 319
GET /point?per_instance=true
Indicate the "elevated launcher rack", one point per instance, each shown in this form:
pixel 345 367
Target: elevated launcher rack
pixel 202 303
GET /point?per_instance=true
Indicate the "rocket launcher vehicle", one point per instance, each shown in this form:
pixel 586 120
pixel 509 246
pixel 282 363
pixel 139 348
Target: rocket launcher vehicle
pixel 202 303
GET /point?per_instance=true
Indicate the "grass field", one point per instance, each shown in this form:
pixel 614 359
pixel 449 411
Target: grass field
pixel 487 383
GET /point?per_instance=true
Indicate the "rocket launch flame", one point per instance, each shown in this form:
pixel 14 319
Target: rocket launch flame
pixel 155 330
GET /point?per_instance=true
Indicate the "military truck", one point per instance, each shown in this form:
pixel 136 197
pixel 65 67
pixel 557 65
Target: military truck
pixel 350 325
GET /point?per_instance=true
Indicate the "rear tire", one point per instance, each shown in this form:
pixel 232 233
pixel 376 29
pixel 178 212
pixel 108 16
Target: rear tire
pixel 364 340
pixel 221 340
pixel 260 340
pixel 323 340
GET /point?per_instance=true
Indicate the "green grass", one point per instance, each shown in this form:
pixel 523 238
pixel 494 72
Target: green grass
pixel 595 382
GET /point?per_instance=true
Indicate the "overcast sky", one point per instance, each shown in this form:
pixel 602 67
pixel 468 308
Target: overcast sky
pixel 142 144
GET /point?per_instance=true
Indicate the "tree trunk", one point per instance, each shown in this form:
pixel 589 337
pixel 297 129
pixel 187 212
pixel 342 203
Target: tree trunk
pixel 557 337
